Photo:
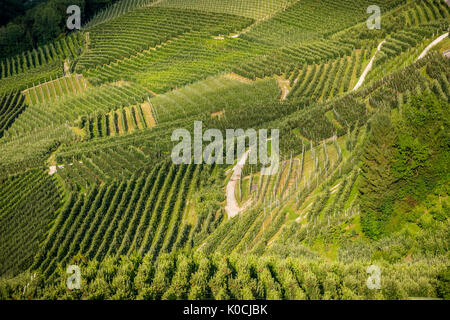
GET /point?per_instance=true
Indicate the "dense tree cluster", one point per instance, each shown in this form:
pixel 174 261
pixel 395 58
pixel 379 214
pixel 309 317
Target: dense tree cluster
pixel 405 158
pixel 32 23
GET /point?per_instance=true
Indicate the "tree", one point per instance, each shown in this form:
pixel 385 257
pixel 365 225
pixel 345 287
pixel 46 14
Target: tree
pixel 46 24
pixel 376 186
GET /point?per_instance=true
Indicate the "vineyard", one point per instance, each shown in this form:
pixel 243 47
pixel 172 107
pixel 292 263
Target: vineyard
pixel 255 9
pixel 87 138
pixel 55 89
pixel 198 277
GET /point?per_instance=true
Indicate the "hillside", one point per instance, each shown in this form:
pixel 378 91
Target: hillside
pixel 86 140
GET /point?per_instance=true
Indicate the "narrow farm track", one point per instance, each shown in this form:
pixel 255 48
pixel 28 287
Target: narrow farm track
pixel 368 68
pixel 284 86
pixel 232 208
pixel 431 45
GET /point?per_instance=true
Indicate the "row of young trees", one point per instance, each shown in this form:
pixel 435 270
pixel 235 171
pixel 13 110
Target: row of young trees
pixel 67 47
pixel 11 105
pixel 193 56
pixel 255 9
pixel 69 108
pixel 31 150
pixel 285 60
pixel 306 20
pixel 121 121
pixel 187 276
pixel 28 203
pixel 142 214
pixel 55 89
pixel 322 82
pixel 405 40
pixel 204 98
pixel 115 40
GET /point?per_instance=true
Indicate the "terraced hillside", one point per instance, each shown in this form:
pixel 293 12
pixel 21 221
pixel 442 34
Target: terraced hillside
pixel 87 131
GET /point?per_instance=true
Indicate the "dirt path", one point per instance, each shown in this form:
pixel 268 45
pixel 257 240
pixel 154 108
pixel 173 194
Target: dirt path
pixel 431 45
pixel 284 86
pixel 447 53
pixel 232 208
pixel 66 68
pixel 148 115
pixel 368 67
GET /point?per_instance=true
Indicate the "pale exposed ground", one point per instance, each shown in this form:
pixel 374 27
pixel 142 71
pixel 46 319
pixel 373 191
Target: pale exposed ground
pixel 53 169
pixel 334 189
pixel 368 67
pixel 217 114
pixel 431 45
pixel 232 208
pixel 302 216
pixel 66 68
pixel 149 118
pixel 284 86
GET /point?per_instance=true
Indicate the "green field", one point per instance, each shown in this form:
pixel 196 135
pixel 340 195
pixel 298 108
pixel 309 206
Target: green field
pixel 87 179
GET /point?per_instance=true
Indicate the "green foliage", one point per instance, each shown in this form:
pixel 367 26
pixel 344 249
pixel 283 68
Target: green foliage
pixel 376 186
pixel 443 287
pixel 410 155
pixel 36 24
pixel 28 204
pixel 141 227
pixel 179 276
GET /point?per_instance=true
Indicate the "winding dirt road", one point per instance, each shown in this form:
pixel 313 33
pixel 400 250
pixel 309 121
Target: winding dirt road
pixel 368 67
pixel 431 45
pixel 232 208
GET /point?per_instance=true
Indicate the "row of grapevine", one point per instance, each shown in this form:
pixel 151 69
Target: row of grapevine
pixel 117 122
pixel 308 20
pixel 70 108
pixel 116 10
pixel 141 213
pixel 286 59
pixel 54 89
pixel 30 78
pixel 31 150
pixel 146 28
pixel 187 276
pixel 55 51
pixel 178 62
pixel 11 105
pixel 256 9
pixel 28 203
pixel 426 11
